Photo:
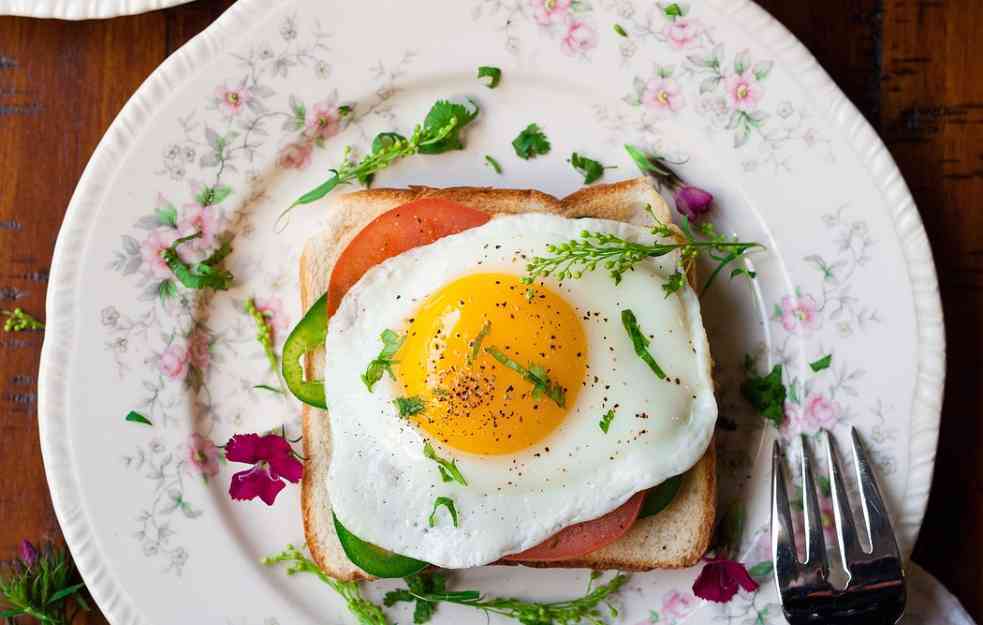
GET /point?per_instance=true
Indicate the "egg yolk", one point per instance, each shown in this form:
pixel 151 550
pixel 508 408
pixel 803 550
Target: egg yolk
pixel 497 363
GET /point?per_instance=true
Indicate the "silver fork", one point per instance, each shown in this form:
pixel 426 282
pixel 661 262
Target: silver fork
pixel 875 592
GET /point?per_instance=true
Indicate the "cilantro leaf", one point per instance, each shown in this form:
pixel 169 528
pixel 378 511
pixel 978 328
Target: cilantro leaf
pixel 448 468
pixel 640 342
pixel 494 74
pixel 674 283
pixel 606 420
pixel 535 374
pixel 493 163
pixel 201 275
pixel 619 29
pixel 446 502
pixel 409 406
pixel 822 363
pixel 419 584
pixel 383 363
pixel 531 142
pixel 766 393
pixel 592 170
pixel 135 417
pixel 476 343
pixel 442 116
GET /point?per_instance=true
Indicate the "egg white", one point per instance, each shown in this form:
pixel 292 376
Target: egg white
pixel 381 486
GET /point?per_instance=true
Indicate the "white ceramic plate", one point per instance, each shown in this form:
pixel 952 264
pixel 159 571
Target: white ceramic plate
pixel 848 271
pixel 82 9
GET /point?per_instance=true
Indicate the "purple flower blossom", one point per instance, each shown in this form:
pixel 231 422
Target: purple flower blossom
pixel 720 579
pixel 28 553
pixel 272 459
pixel 693 202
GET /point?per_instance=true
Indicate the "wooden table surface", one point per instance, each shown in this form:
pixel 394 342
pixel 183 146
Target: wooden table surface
pixel 912 67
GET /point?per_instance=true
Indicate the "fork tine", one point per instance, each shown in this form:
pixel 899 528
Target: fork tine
pixel 846 531
pixel 878 523
pixel 816 557
pixel 782 538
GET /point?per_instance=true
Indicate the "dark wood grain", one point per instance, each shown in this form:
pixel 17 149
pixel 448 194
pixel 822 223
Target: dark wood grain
pixel 911 66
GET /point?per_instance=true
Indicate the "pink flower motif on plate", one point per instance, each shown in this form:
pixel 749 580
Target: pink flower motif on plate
pixel 155 243
pixel 174 360
pixel 663 94
pixel 579 39
pixel 677 606
pixel 295 156
pixel 323 121
pixel 799 313
pixel 547 12
pixel 204 455
pixel 819 413
pixel 231 100
pixel 203 219
pixel 744 91
pixel 272 309
pixel 683 32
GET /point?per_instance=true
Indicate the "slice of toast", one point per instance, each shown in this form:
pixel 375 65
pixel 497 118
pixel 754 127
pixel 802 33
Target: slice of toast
pixel 676 537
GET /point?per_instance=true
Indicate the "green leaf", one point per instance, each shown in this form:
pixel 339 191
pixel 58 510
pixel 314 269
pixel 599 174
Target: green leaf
pixel 761 569
pixel 443 115
pixel 11 613
pixel 213 195
pixel 651 165
pixel 64 592
pixel 767 394
pixel 658 498
pixel 166 289
pixel 136 417
pixel 446 502
pixel 535 374
pixel 267 387
pixel 448 468
pixel 383 363
pixel 386 140
pixel 742 61
pixel 605 422
pixel 318 192
pixel 202 275
pixel 822 363
pixel 620 30
pixel 531 143
pixel 494 74
pixel 640 342
pixel 762 69
pixel 493 163
pixel 409 406
pixel 345 110
pixel 592 170
pixel 673 10
pixel 674 283
pixel 167 215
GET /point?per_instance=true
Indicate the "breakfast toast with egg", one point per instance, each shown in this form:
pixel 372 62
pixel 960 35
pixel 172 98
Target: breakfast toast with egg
pixel 675 537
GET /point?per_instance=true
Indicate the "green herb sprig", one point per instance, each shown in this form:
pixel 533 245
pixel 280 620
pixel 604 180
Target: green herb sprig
pixel 535 374
pixel 409 406
pixel 440 132
pixel 448 468
pixel 476 343
pixel 383 363
pixel 20 321
pixel 264 334
pixel 44 585
pixel 445 502
pixel 640 342
pixel 200 275
pixel 419 584
pixel 605 422
pixel 583 609
pixel 766 393
pixel 364 611
pixel 591 170
pixel 531 142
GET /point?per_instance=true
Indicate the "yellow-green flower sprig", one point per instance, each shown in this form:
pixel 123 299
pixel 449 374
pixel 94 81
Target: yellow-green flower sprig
pixel 20 321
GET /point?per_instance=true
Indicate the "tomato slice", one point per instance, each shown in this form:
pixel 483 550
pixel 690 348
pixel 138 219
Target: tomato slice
pixel 396 231
pixel 583 538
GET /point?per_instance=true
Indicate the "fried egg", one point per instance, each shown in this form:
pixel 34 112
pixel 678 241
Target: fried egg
pixel 509 383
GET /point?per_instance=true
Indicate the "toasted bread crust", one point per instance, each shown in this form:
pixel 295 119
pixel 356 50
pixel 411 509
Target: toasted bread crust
pixel 695 505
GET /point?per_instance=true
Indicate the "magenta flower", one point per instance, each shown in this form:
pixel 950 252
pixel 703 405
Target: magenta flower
pixel 199 349
pixel 230 100
pixel 720 579
pixel 693 202
pixel 204 455
pixel 155 243
pixel 683 32
pixel 663 94
pixel 799 313
pixel 174 360
pixel 272 459
pixel 28 553
pixel 744 91
pixel 323 121
pixel 547 12
pixel 295 156
pixel 579 39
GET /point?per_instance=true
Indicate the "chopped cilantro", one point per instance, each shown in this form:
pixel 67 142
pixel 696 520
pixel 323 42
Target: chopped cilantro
pixel 446 502
pixel 419 584
pixel 619 29
pixel 136 417
pixel 201 275
pixel 492 73
pixel 822 363
pixel 409 406
pixel 674 283
pixel 446 114
pixel 606 420
pixel 476 343
pixel 531 142
pixel 493 163
pixel 766 393
pixel 535 374
pixel 640 342
pixel 384 361
pixel 592 170
pixel 448 468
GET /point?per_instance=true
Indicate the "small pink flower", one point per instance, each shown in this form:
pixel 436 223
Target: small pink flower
pixel 174 361
pixel 272 459
pixel 683 32
pixel 203 219
pixel 799 313
pixel 663 94
pixel 818 412
pixel 323 121
pixel 676 605
pixel 693 202
pixel 744 91
pixel 28 553
pixel 199 347
pixel 155 243
pixel 295 156
pixel 272 309
pixel 579 39
pixel 204 455
pixel 720 579
pixel 547 12
pixel 230 100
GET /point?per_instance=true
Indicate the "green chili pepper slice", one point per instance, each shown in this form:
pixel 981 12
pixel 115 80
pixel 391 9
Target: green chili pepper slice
pixel 307 336
pixel 375 560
